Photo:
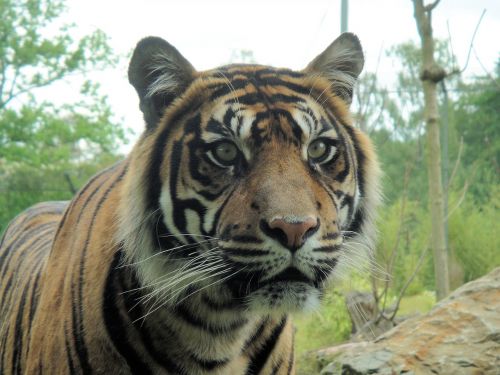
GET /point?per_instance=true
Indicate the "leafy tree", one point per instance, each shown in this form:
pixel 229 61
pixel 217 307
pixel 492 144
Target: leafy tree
pixel 478 117
pixel 44 145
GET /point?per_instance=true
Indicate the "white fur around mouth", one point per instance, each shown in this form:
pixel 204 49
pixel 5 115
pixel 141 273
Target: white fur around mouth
pixel 284 297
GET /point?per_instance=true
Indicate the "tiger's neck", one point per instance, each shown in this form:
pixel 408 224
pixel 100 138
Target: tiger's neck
pixel 205 333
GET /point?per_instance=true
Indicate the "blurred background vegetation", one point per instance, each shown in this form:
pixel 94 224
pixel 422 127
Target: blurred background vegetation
pixel 47 152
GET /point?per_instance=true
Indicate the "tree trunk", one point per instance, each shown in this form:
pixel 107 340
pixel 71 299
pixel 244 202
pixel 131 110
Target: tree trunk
pixel 431 75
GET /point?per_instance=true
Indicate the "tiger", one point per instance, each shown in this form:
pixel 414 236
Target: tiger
pixel 248 192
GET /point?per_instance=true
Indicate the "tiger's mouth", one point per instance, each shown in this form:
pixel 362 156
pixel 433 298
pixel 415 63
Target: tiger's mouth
pixel 291 274
pixel 288 291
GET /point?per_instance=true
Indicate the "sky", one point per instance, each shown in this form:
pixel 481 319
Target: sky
pixel 278 32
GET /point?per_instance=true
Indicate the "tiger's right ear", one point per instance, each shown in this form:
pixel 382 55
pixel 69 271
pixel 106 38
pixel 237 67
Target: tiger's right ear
pixel 159 74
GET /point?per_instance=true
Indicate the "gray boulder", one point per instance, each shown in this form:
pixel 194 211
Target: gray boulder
pixel 459 336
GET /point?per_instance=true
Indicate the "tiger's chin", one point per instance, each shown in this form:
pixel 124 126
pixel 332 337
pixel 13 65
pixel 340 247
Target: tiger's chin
pixel 284 297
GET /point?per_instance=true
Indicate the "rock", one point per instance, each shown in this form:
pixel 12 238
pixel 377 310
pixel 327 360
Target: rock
pixel 459 336
pixel 361 307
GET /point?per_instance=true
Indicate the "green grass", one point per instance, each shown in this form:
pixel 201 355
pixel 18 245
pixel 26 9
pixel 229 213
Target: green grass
pixel 419 303
pixel 327 326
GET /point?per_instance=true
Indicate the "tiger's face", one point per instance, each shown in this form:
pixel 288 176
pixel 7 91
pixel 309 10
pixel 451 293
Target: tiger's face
pixel 256 178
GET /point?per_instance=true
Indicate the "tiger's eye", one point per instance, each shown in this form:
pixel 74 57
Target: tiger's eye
pixel 317 149
pixel 226 152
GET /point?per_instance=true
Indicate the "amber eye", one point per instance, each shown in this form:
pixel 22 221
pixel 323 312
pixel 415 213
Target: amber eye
pixel 225 153
pixel 317 150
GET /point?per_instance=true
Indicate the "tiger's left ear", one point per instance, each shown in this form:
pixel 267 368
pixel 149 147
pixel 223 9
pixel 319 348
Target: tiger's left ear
pixel 159 74
pixel 341 63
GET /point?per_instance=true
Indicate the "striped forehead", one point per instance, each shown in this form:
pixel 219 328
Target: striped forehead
pixel 249 102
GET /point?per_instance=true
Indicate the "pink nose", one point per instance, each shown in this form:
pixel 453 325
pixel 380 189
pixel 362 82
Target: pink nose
pixel 295 231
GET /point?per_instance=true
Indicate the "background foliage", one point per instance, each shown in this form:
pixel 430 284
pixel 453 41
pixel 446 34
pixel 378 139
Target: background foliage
pixel 48 150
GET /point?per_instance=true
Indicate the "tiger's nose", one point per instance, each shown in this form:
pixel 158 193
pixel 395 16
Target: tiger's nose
pixel 292 232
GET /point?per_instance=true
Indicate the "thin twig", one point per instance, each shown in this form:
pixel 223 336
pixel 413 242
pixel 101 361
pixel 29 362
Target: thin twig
pixel 450 42
pixel 409 281
pixel 460 200
pixel 395 248
pixel 485 70
pixel 430 7
pixel 457 162
pixel 472 41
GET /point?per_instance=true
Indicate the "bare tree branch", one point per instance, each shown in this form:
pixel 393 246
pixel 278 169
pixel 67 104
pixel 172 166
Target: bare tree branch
pixel 408 171
pixel 430 7
pixel 450 42
pixel 460 200
pixel 374 81
pixel 485 70
pixel 472 41
pixel 457 162
pixel 409 281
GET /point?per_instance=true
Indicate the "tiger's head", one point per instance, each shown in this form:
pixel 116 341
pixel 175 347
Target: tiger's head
pixel 249 182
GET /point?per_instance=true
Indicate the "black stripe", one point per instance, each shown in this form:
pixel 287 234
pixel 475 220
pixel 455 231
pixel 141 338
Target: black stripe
pixel 69 358
pixel 232 70
pixel 341 176
pixel 258 80
pixel 78 329
pixel 23 252
pixel 217 127
pixel 327 249
pixel 17 224
pixel 29 235
pixel 81 349
pixel 348 201
pixel 243 264
pixel 80 193
pixel 87 200
pixel 361 159
pixel 254 337
pixel 253 98
pixel 259 359
pixel 331 236
pixel 181 205
pixel 228 116
pixel 34 294
pixel 218 306
pixel 4 236
pixel 182 312
pixel 18 333
pixel 209 365
pixel 277 366
pixel 135 315
pixel 243 280
pixel 115 326
pixel 321 273
pixel 224 89
pixel 330 194
pixel 244 252
pixel 4 350
pixel 246 239
pixel 355 226
pixel 291 359
pixel 6 289
pixel 157 155
pixel 215 223
pixel 276 81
